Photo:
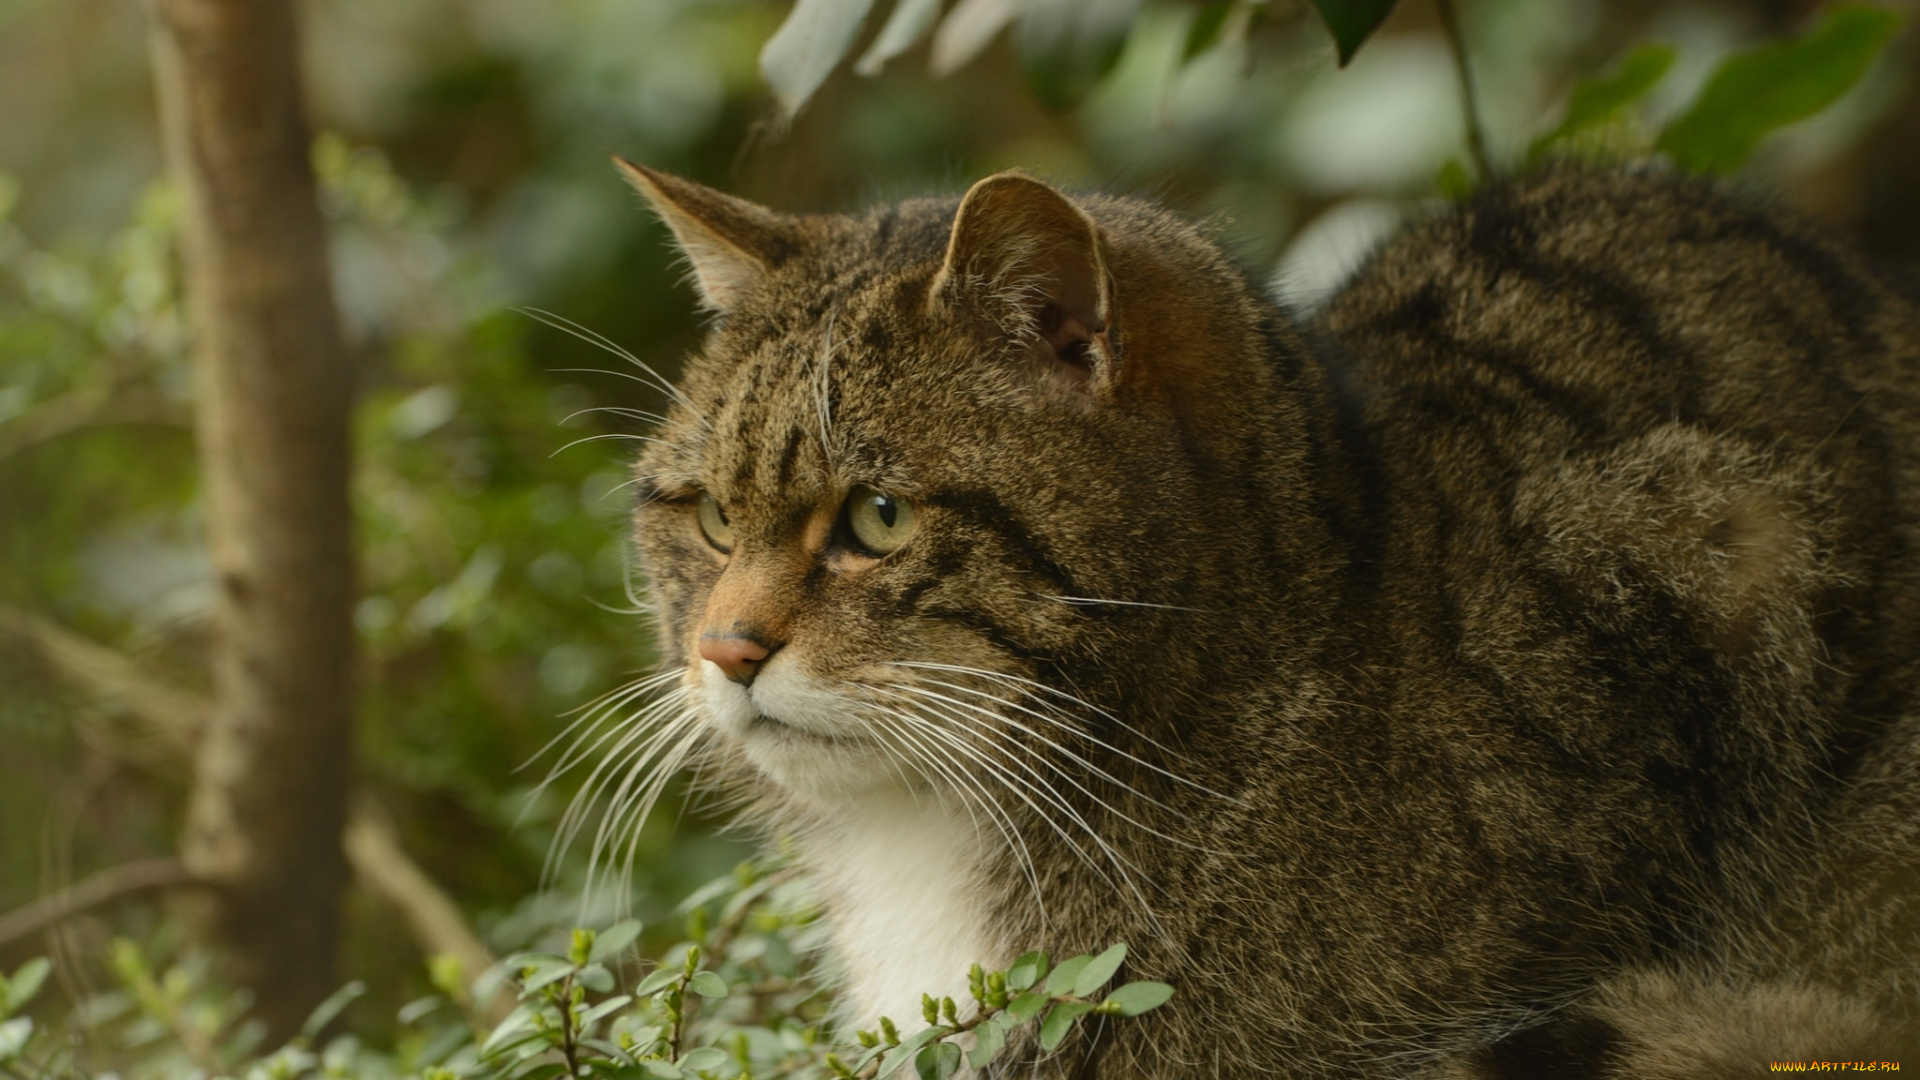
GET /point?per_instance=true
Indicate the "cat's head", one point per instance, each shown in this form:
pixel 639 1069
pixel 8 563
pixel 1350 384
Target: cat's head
pixel 953 487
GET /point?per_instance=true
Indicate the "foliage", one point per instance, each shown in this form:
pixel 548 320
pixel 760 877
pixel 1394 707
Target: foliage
pixel 1067 46
pixel 1755 92
pixel 737 998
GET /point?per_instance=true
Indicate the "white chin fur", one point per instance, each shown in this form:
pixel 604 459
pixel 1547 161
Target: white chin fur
pixel 803 736
pixel 898 864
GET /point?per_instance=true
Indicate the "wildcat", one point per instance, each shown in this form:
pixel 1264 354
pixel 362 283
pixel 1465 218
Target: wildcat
pixel 1509 671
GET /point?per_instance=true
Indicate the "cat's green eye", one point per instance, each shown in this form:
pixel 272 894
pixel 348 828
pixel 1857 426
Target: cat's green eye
pixel 880 523
pixel 714 524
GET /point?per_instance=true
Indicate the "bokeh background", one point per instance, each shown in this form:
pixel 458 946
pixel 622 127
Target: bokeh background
pixel 462 149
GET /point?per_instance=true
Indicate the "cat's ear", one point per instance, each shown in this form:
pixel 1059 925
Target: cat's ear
pixel 1033 263
pixel 731 243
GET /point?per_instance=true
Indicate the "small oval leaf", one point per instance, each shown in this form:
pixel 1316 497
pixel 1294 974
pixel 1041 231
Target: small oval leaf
pixel 1099 970
pixel 1068 973
pixel 707 1057
pixel 988 1040
pixel 614 939
pixel 656 981
pixel 1060 1021
pixel 1026 971
pixel 1138 997
pixel 708 985
pixel 26 983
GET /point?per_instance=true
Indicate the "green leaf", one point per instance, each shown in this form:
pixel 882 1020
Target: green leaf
pixel 662 1070
pixel 1599 101
pixel 1066 49
pixel 614 939
pixel 1060 1021
pixel 517 1021
pixel 1204 31
pixel 1454 181
pixel 1027 1006
pixel 909 1049
pixel 1068 973
pixel 611 1005
pixel 544 972
pixel 1099 970
pixel 323 1013
pixel 937 1061
pixel 707 1057
pixel 708 985
pixel 1138 997
pixel 1352 22
pixel 804 51
pixel 657 980
pixel 910 21
pixel 26 983
pixel 988 1040
pixel 1026 971
pixel 14 1035
pixel 1756 92
pixel 596 978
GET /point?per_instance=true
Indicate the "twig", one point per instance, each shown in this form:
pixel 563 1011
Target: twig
pixel 172 718
pixel 127 879
pixel 1470 102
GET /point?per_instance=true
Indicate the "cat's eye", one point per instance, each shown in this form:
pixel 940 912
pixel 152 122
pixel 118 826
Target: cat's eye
pixel 879 522
pixel 714 524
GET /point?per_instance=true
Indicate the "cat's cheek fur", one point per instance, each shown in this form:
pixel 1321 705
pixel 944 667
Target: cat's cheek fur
pixel 799 734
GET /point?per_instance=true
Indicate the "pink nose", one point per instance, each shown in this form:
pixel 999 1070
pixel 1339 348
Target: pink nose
pixel 740 657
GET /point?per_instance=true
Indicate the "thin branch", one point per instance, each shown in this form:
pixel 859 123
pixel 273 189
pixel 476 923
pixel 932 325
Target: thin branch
pixel 84 409
pixel 128 879
pixel 171 719
pixel 384 869
pixel 1469 101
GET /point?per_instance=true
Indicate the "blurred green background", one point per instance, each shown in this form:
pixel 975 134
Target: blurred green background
pixel 463 155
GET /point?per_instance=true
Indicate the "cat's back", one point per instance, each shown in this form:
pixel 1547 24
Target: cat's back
pixel 1631 429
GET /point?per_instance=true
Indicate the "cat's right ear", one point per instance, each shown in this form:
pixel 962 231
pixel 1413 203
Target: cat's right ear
pixel 730 243
pixel 1034 265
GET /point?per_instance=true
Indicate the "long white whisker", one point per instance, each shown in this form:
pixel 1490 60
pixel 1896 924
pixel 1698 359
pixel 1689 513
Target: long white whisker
pixel 1094 601
pixel 619 436
pixel 917 730
pixel 1077 732
pixel 1040 786
pixel 593 337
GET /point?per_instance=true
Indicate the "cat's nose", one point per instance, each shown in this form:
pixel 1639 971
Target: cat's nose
pixel 737 655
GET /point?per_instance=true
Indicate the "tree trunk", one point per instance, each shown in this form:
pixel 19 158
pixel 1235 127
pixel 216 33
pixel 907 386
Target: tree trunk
pixel 269 797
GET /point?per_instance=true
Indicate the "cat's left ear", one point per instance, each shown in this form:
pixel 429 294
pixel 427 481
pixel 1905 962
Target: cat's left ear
pixel 730 242
pixel 1034 265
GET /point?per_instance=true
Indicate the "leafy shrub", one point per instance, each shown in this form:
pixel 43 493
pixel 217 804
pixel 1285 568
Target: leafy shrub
pixel 739 997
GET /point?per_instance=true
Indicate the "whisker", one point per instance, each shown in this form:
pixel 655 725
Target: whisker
pixel 1041 787
pixel 1091 601
pixel 618 435
pixel 594 337
pixel 923 728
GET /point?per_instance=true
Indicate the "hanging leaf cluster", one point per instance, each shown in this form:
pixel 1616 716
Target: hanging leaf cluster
pixel 1065 46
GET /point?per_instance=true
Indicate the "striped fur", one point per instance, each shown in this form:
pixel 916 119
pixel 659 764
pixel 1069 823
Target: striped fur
pixel 1509 672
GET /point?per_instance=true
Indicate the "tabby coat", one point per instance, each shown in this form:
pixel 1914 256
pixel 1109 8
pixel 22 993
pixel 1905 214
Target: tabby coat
pixel 1509 671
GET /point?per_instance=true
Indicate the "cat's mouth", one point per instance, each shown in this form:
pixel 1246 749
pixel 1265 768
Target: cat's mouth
pixel 771 727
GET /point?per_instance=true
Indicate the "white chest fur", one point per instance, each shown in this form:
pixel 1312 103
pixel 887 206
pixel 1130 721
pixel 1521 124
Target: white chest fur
pixel 903 882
